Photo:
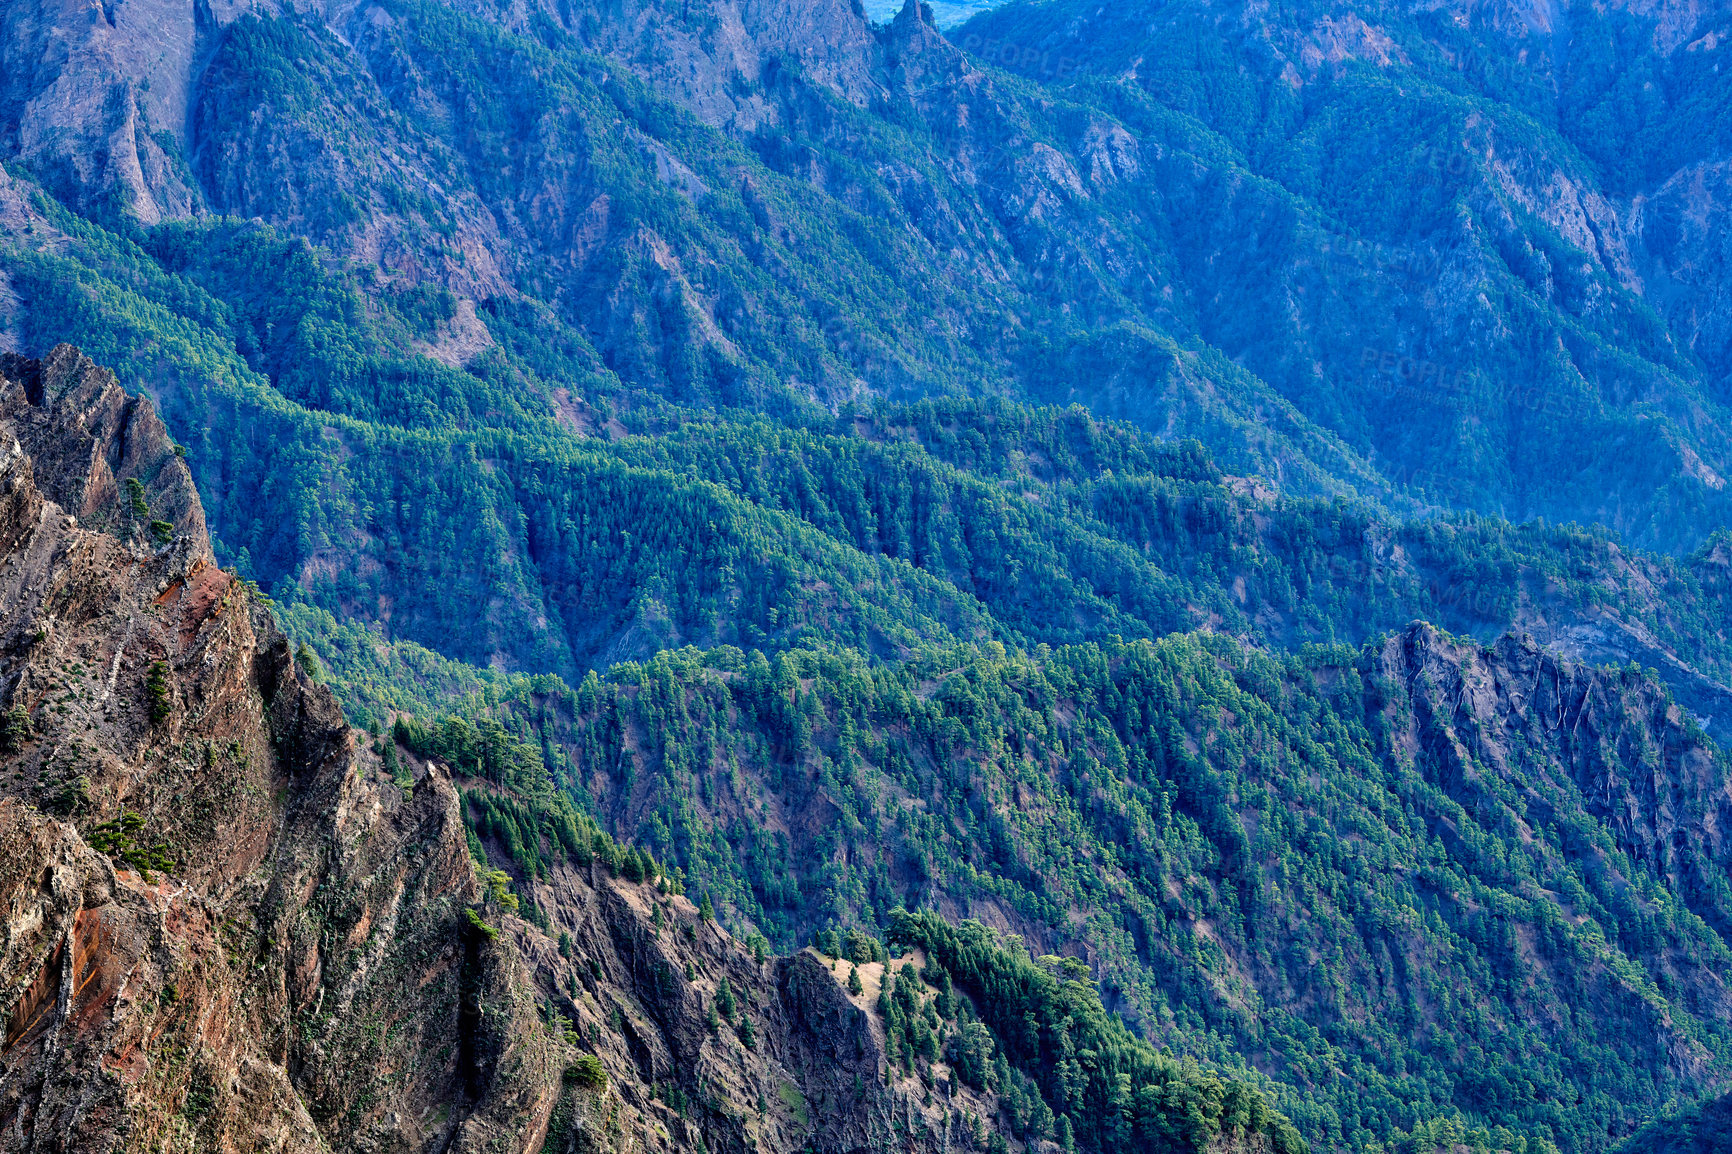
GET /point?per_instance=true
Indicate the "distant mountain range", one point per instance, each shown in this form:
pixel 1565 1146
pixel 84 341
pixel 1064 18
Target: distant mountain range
pixel 1396 255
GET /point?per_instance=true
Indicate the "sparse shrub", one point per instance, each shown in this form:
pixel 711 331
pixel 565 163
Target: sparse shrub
pixel 394 767
pixel 477 925
pixel 14 729
pixel 587 1071
pixel 499 889
pixel 120 840
pixel 309 661
pixel 201 1096
pixel 135 499
pixel 72 798
pixel 859 946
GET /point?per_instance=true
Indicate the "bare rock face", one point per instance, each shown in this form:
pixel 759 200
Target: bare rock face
pixel 1683 241
pixel 801 1064
pixel 1514 729
pixel 698 56
pixel 96 94
pixel 1614 742
pixel 86 438
pixel 220 925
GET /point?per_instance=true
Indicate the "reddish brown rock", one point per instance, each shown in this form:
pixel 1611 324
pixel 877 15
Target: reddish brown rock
pixel 268 955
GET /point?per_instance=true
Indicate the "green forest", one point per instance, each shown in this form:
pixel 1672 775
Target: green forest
pixel 944 520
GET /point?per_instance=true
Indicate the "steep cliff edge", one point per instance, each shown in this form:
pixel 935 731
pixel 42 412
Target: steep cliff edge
pixel 225 926
pixel 1512 726
pixel 99 454
pixel 201 879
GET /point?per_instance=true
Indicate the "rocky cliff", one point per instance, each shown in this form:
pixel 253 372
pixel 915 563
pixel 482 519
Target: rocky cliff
pixel 214 909
pixel 1607 766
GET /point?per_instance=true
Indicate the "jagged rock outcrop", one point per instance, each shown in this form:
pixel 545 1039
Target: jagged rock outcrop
pixel 86 439
pixel 636 973
pixel 1612 740
pixel 1524 741
pixel 213 909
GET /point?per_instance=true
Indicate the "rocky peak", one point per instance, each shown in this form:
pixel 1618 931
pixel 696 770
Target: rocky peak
pixel 1513 727
pixel 89 441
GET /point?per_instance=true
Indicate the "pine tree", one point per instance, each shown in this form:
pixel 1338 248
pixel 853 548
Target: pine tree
pixel 157 692
pixel 725 999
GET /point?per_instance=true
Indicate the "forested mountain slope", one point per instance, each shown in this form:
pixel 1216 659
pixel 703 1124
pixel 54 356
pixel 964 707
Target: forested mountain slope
pixel 1425 877
pixel 1139 804
pixel 963 521
pixel 1533 202
pixel 473 407
pixel 1705 1128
